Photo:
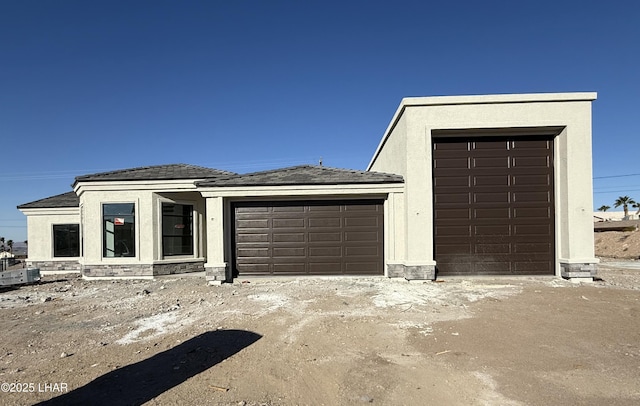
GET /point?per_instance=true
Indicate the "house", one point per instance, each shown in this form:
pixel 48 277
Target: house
pixel 460 185
pixel 613 216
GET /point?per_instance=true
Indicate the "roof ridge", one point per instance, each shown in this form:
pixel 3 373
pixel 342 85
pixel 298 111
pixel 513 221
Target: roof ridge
pixel 58 200
pixel 149 172
pixel 304 174
pixel 137 168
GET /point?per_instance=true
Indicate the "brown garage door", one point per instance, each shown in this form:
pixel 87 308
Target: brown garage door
pixel 493 202
pixel 309 238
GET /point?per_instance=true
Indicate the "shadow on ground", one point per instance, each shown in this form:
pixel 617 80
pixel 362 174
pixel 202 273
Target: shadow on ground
pixel 138 383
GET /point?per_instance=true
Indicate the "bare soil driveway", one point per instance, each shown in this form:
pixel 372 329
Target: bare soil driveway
pixel 341 341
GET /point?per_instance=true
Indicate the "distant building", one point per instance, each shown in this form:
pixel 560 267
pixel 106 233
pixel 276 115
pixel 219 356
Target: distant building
pixel 613 216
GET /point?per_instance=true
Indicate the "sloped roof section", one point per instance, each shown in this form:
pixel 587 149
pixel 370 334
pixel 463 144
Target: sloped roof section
pixel 69 199
pixel 157 172
pixel 304 175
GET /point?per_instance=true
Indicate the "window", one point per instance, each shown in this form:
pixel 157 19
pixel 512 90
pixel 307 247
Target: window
pixel 177 229
pixel 66 240
pixel 119 230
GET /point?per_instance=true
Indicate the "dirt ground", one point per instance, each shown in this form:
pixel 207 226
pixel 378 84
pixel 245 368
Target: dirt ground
pixel 618 244
pixel 175 340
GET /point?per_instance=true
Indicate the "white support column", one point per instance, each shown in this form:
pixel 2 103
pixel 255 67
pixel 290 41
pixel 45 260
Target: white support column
pixel 215 267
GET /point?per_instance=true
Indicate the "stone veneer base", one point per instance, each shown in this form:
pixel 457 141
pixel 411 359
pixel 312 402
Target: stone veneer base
pixel 411 272
pixel 583 270
pixel 55 266
pixel 141 270
pixel 216 274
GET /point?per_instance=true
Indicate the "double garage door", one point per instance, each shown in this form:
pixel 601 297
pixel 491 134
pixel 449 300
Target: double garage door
pixel 309 238
pixel 493 202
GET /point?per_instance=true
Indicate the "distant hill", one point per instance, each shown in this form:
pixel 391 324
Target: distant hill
pixel 19 248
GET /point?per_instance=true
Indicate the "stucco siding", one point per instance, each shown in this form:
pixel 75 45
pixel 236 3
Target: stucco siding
pixel 408 141
pixel 392 154
pixel 148 234
pixel 40 224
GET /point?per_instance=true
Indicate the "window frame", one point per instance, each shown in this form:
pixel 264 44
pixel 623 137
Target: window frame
pixel 78 243
pixel 192 227
pixel 131 249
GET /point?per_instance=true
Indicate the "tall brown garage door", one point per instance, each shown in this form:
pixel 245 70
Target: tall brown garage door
pixel 493 201
pixel 309 238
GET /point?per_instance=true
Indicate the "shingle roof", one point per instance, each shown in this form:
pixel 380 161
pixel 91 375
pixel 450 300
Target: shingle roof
pixel 304 175
pixel 157 172
pixel 295 175
pixel 69 199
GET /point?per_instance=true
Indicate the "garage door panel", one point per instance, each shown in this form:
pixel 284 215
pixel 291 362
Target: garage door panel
pixel 278 209
pixel 361 208
pixel 453 198
pixel 491 162
pixel 253 237
pixel 289 252
pixel 508 221
pixel 542 179
pixel 361 268
pixel 368 236
pixel 531 212
pixel 252 268
pixel 532 229
pixel 324 208
pixel 325 252
pixel 491 197
pixel 530 162
pixel 288 223
pixel 532 197
pixel 531 267
pixel 452 213
pixel 520 144
pixel 488 145
pixel 444 146
pixel 489 267
pixel 531 248
pixel 492 248
pixel 364 251
pixel 491 214
pixel 453 181
pixel 325 268
pixel 318 238
pixel 491 180
pixel 492 230
pixel 455 231
pixel 296 268
pixel 253 223
pixel 364 221
pixel 254 252
pixel 455 268
pixel 450 163
pixel 453 249
pixel 330 222
pixel 332 237
pixel 252 209
pixel 280 237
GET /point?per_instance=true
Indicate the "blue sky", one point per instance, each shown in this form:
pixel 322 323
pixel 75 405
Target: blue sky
pixel 90 86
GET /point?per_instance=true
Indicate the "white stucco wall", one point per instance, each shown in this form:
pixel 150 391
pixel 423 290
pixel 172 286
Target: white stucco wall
pixel 40 224
pixel 147 198
pixel 409 139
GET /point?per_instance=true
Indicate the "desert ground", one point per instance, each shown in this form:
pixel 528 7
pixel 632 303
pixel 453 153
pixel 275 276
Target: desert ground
pixel 313 341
